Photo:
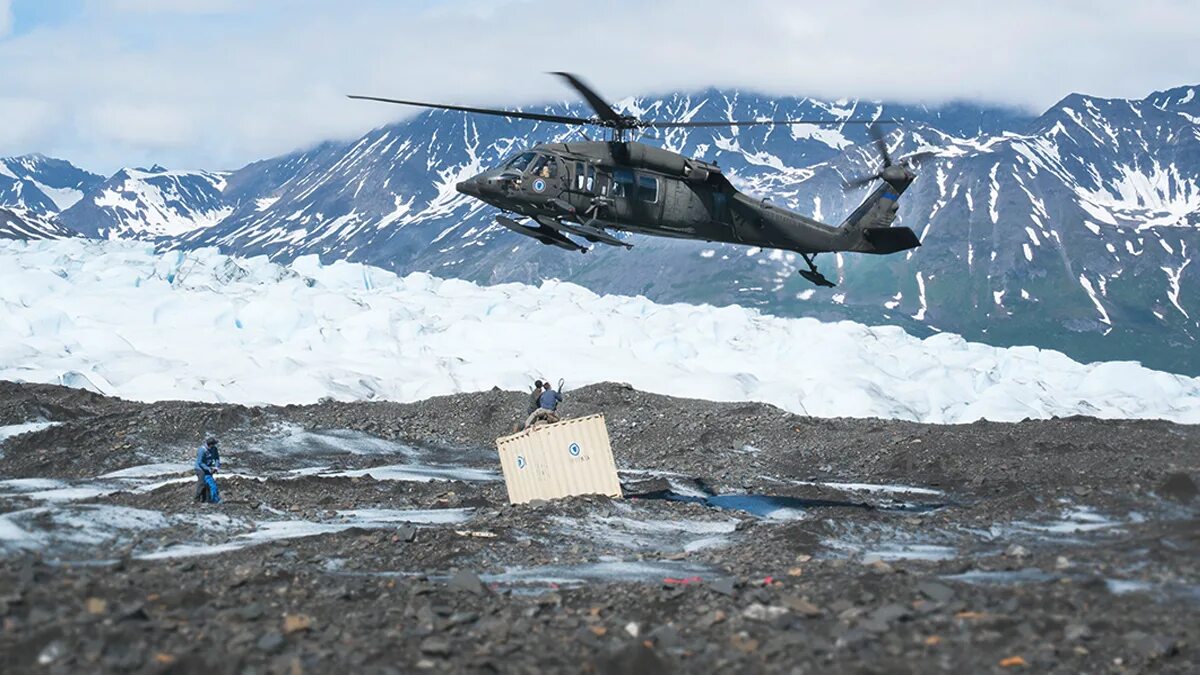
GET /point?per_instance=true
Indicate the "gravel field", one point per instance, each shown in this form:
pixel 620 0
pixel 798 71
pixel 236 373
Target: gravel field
pixel 377 537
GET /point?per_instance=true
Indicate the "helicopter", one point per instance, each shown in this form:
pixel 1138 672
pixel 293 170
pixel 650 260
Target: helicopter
pixel 588 189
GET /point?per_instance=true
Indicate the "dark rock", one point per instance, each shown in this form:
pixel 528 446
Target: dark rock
pixel 436 646
pixel 466 581
pixel 1180 487
pixel 890 613
pixel 635 659
pixel 723 586
pixel 873 625
pixel 1077 631
pixel 271 642
pixel 801 606
pixel 1152 647
pixel 250 612
pixel 665 637
pixel 136 614
pixel 936 591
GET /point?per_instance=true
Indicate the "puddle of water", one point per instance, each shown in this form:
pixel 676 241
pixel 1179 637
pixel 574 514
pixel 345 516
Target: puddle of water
pixel 329 442
pixel 90 524
pixel 149 470
pixel 913 552
pixel 278 530
pixel 771 507
pixel 68 494
pixel 369 517
pixel 641 571
pixel 1073 520
pixel 633 533
pixel 872 488
pixel 884 541
pixel 1123 586
pixel 1003 577
pixel 420 473
pixel 24 485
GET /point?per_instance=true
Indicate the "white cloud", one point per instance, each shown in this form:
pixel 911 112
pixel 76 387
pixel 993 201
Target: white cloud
pixel 214 84
pixel 5 17
pixel 172 6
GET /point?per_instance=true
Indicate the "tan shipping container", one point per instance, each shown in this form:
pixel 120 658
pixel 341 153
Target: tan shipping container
pixel 567 458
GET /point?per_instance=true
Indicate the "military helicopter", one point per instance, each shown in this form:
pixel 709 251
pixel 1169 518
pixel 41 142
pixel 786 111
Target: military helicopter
pixel 589 188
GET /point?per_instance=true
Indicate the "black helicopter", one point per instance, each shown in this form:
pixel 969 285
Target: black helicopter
pixel 590 187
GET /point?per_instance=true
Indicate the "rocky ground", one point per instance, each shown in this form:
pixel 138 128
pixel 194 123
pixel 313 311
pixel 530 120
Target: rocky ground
pixel 377 537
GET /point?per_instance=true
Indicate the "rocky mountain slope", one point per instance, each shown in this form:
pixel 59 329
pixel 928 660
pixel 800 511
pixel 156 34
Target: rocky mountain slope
pixel 42 185
pixel 148 203
pixel 18 223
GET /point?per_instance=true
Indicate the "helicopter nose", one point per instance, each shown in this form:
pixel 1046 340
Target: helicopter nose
pixel 469 187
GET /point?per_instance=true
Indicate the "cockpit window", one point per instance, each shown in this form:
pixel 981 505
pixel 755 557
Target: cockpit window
pixel 545 166
pixel 521 161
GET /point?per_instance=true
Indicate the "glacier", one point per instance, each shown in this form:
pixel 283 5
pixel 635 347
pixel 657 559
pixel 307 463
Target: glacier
pixel 119 318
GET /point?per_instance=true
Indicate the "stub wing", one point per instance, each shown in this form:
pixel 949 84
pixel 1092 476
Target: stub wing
pixel 546 235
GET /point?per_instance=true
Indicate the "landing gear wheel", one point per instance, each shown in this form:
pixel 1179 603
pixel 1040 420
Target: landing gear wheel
pixel 812 274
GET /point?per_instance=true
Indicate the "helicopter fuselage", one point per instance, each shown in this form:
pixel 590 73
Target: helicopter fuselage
pixel 632 187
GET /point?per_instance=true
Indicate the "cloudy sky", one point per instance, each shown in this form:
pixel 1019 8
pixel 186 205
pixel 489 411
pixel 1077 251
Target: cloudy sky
pixel 218 83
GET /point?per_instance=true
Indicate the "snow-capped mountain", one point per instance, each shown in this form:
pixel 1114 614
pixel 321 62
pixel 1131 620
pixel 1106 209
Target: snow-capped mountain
pixel 1074 229
pixel 18 223
pixel 43 185
pixel 149 203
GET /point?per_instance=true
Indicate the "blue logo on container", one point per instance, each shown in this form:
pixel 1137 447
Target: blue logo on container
pixel 574 449
pixel 520 461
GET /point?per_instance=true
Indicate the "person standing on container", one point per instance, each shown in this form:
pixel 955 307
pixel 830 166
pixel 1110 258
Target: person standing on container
pixel 534 402
pixel 549 399
pixel 547 406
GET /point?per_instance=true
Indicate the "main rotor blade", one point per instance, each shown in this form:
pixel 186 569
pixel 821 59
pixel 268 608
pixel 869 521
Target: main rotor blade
pixel 484 111
pixel 603 110
pixel 851 183
pixel 746 123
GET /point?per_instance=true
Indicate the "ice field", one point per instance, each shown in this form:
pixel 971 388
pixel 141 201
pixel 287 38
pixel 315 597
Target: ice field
pixel 119 318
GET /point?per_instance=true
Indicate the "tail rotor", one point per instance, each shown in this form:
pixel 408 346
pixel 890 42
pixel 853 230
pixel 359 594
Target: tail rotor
pixel 892 171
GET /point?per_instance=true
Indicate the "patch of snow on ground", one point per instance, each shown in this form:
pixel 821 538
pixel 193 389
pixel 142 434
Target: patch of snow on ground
pixel 105 315
pixel 11 430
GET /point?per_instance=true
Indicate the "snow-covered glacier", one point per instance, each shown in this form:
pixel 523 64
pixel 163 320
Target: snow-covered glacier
pixel 121 319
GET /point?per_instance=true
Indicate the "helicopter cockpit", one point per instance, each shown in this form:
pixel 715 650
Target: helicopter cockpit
pixel 533 164
pixel 520 162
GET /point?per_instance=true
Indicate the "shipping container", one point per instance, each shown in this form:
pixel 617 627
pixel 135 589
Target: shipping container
pixel 548 461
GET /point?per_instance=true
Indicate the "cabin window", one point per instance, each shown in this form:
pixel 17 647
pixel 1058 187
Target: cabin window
pixel 521 161
pixel 720 203
pixel 579 177
pixel 623 185
pixel 647 189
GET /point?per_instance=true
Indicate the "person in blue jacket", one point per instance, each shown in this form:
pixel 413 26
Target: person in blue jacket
pixel 547 409
pixel 208 462
pixel 549 399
